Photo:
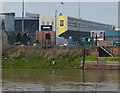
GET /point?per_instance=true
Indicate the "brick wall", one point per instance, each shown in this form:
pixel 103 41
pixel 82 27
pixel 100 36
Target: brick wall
pixel 105 43
pixel 41 37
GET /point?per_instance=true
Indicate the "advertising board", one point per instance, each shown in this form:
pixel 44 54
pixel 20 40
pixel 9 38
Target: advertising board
pixel 99 35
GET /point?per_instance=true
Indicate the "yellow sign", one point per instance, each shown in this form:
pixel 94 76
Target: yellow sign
pixel 62 20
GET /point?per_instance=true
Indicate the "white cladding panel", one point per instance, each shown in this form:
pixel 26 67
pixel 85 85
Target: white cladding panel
pixel 46 20
pixel 76 24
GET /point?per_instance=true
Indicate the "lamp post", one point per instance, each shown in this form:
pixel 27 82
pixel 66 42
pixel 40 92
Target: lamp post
pixel 55 25
pixel 23 16
pixel 61 8
pixel 79 13
pixel 79 9
pixel 83 66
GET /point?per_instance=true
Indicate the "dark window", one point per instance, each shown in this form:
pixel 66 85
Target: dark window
pixel 47 36
pixel 92 32
pixel 47 23
pixel 52 23
pixel 61 22
pixel 43 23
pixel 75 24
pixel 101 32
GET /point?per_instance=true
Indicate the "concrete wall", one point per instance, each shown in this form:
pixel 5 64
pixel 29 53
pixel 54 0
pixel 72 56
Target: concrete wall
pixel 8 22
pixel 4 40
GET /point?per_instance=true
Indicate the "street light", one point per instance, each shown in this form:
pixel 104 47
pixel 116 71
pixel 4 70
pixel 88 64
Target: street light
pixel 61 8
pixel 55 25
pixel 23 16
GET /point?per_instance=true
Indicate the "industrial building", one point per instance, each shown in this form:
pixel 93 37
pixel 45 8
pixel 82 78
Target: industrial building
pixel 77 27
pixel 46 34
pixel 8 27
pixel 112 35
pixel 107 37
pixel 44 29
pixel 39 23
pixel 31 25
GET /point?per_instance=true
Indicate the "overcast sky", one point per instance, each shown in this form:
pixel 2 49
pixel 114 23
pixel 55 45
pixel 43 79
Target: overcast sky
pixel 105 12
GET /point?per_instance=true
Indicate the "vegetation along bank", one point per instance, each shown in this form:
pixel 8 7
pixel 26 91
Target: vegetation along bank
pixel 55 57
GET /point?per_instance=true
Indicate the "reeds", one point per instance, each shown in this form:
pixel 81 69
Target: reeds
pixel 50 53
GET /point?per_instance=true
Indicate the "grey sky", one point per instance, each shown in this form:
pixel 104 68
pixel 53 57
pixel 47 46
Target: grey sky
pixel 105 12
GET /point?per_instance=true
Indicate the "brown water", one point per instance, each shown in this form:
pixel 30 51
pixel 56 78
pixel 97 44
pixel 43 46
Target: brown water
pixel 59 80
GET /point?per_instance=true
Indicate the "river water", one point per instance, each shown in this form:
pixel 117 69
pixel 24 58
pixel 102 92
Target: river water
pixel 59 80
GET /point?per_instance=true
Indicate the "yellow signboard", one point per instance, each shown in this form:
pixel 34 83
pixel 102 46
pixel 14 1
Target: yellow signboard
pixel 62 27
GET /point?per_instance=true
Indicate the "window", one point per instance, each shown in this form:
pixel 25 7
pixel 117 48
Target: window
pixel 61 22
pixel 92 32
pixel 52 23
pixel 47 36
pixel 47 23
pixel 101 32
pixel 75 24
pixel 43 23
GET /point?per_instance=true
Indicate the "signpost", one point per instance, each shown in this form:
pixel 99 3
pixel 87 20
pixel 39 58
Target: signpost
pixel 83 66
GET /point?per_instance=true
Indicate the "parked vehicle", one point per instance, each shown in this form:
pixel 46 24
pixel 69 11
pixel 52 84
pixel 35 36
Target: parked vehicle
pixel 116 43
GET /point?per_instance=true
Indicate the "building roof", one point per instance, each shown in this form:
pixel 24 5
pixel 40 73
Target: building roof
pixel 26 18
pixel 91 21
pixel 12 14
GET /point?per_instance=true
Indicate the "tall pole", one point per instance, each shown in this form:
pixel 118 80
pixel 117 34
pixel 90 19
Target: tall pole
pixel 55 25
pixel 96 39
pixel 61 8
pixel 83 66
pixel 79 13
pixel 79 9
pixel 23 16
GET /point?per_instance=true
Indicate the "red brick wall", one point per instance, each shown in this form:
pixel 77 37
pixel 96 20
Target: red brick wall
pixel 94 52
pixel 105 43
pixel 116 51
pixel 40 36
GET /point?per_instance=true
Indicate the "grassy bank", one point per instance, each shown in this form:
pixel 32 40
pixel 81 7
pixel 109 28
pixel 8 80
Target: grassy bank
pixel 108 59
pixel 41 62
pixel 113 59
pixel 42 58
pixel 46 57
